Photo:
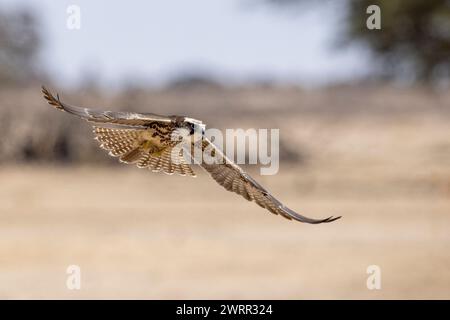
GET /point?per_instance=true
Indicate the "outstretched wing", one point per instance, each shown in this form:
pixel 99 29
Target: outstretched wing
pixel 143 139
pixel 138 146
pixel 108 117
pixel 233 178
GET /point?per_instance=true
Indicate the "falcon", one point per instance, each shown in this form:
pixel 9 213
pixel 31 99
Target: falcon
pixel 153 141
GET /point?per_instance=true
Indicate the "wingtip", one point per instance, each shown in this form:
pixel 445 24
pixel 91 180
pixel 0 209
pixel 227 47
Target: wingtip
pixel 44 91
pixel 331 219
pixel 51 100
pixel 326 220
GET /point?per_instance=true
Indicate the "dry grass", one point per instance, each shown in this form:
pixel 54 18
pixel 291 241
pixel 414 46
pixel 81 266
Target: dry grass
pixel 141 235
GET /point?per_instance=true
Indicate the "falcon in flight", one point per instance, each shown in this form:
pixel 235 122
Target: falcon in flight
pixel 150 141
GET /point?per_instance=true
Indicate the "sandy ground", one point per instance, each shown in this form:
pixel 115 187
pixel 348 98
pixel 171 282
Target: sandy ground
pixel 136 234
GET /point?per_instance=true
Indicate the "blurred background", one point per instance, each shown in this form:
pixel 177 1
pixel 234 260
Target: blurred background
pixel 364 119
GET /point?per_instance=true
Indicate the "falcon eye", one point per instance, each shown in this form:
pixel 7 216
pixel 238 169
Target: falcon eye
pixel 192 128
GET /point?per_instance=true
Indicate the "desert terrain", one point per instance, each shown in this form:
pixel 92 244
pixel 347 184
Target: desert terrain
pixel 379 157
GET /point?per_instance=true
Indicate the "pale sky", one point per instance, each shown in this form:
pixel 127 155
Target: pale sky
pixel 155 40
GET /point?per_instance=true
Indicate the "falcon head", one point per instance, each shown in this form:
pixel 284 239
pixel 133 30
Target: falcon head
pixel 194 126
pixel 187 129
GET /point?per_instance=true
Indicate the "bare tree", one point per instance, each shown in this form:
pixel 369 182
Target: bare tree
pixel 414 38
pixel 19 46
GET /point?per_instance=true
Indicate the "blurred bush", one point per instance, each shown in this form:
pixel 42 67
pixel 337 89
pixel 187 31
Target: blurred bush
pixel 414 40
pixel 20 43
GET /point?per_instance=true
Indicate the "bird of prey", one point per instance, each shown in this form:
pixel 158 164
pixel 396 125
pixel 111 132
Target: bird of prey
pixel 147 140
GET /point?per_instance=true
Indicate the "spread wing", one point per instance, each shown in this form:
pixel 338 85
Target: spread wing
pixel 137 146
pixel 143 139
pixel 108 117
pixel 233 178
